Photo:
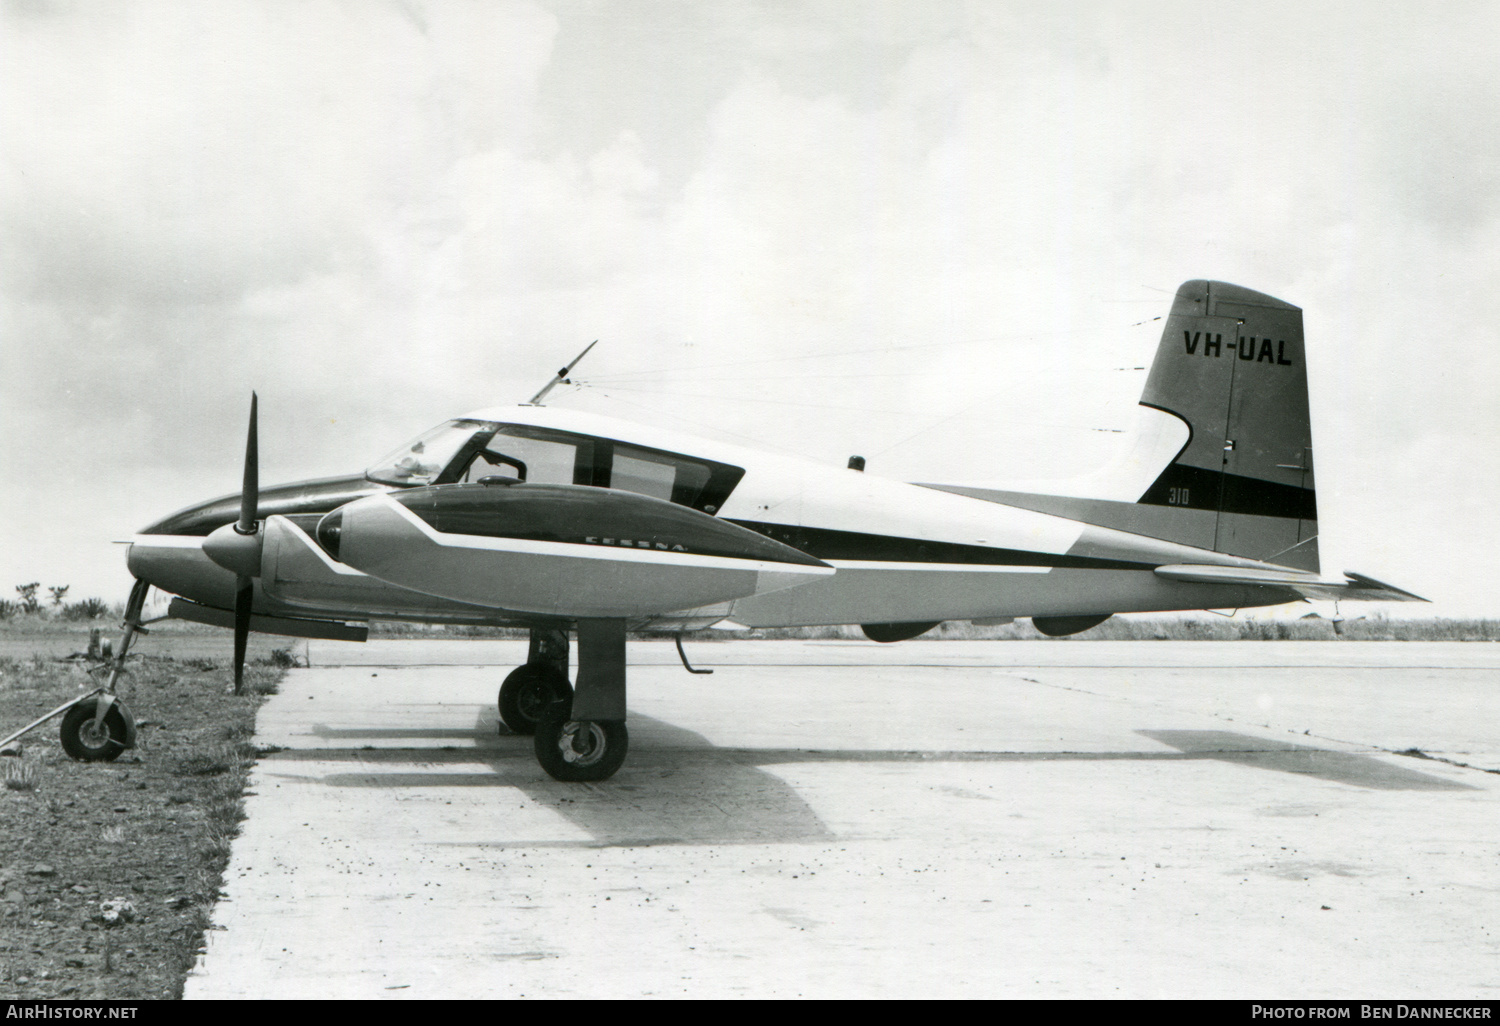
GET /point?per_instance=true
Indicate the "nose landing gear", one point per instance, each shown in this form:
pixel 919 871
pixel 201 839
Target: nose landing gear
pixel 97 726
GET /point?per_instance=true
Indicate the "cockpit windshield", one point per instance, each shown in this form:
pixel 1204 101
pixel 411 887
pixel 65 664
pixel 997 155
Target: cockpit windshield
pixel 422 460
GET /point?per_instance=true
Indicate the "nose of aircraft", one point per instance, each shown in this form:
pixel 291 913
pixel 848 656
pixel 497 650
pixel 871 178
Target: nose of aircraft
pixel 179 554
pixel 177 564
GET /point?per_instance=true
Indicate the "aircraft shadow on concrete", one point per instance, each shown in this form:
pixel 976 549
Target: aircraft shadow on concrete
pixel 678 788
pixel 1340 767
pixel 674 790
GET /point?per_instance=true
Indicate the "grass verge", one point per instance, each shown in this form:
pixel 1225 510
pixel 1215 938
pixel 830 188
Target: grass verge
pixel 109 871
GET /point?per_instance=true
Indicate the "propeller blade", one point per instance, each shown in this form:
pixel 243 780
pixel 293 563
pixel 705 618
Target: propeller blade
pixel 250 490
pixel 246 529
pixel 242 601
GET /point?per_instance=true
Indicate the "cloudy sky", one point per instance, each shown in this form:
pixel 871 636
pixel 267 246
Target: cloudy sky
pixel 928 231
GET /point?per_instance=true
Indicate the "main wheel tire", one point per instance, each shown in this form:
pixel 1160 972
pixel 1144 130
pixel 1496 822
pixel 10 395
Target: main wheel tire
pixel 580 750
pixel 528 691
pixel 83 742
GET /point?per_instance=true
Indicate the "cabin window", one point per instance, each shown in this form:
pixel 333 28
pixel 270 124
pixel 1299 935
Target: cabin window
pixel 604 463
pixel 661 475
pixel 644 477
pixel 535 457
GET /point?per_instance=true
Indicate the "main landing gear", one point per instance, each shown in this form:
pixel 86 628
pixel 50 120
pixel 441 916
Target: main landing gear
pixel 542 681
pixel 578 734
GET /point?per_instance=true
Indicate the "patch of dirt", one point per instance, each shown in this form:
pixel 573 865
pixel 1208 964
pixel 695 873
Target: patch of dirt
pixel 145 837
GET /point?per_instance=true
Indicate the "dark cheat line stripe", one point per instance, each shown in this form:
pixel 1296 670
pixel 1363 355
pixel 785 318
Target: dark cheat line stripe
pixel 1246 495
pixel 828 544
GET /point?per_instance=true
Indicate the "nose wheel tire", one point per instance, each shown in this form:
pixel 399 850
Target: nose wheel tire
pixel 580 750
pixel 528 691
pixel 86 743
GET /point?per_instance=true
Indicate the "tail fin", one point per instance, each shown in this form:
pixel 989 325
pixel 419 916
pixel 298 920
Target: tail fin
pixel 1231 367
pixel 1221 454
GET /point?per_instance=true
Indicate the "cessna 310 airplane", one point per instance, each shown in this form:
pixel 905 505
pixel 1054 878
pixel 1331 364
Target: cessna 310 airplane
pixel 560 521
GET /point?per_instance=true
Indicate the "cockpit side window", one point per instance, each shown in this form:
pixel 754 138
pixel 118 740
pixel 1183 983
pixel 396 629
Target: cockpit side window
pixel 533 455
pixel 561 457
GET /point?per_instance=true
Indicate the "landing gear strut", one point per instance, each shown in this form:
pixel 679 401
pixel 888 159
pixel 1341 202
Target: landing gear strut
pixel 98 729
pixel 579 734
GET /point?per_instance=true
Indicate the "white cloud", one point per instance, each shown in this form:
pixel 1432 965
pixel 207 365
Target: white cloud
pixel 161 153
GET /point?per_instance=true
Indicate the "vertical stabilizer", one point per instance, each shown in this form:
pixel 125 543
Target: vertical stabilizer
pixel 1231 366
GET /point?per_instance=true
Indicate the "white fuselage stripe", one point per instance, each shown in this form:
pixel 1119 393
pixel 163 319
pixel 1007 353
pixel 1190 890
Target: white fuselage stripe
pixel 990 568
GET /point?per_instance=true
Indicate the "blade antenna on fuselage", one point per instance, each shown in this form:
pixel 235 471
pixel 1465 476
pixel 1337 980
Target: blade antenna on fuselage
pixel 561 378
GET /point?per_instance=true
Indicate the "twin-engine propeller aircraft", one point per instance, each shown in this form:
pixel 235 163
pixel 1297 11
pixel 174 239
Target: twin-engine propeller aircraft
pixel 560 521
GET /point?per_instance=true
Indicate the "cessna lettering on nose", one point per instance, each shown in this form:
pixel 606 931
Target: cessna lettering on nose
pixel 598 528
pixel 628 543
pixel 1213 345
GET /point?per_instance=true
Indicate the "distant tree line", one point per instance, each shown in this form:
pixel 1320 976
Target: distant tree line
pixel 27 604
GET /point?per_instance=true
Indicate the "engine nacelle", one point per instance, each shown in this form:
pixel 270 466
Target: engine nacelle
pixel 560 550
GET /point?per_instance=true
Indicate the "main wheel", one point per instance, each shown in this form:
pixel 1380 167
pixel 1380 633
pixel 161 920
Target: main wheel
pixel 578 750
pixel 528 691
pixel 82 741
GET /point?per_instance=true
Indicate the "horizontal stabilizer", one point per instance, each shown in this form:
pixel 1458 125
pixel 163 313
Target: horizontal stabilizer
pixel 1354 587
pixel 1370 589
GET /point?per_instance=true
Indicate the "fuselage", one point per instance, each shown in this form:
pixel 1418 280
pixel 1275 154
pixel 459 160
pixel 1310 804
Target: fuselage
pixel 900 553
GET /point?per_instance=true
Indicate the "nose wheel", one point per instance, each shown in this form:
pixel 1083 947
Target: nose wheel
pixel 89 739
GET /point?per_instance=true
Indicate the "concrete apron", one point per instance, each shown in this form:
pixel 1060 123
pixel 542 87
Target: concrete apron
pixel 929 819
